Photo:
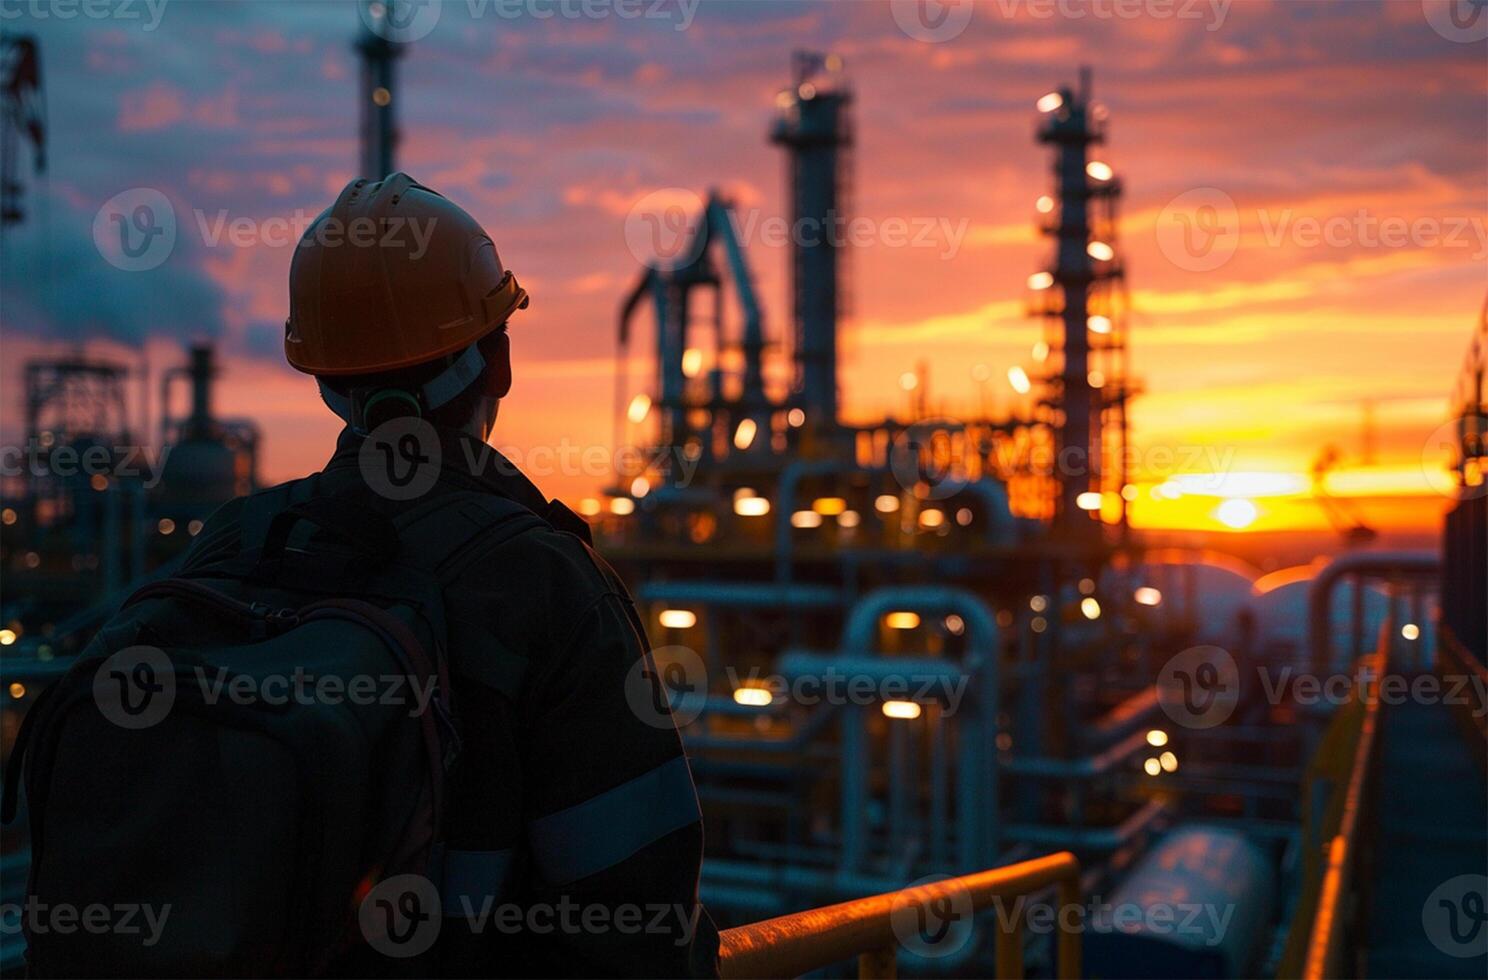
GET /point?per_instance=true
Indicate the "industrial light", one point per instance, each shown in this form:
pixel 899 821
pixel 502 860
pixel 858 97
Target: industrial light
pixel 744 434
pixel 1410 631
pixel 1018 378
pixel 751 506
pixel 1089 500
pixel 193 528
pixel 1168 761
pixel 589 507
pixel 1045 204
pixel 1099 324
pixel 166 526
pixel 932 518
pixel 964 516
pixel 1038 603
pixel 7 637
pixel 692 362
pixel 98 482
pixel 849 518
pixel 1097 379
pixel 1152 767
pixel 640 407
pixel 8 516
pixel 907 710
pixel 1038 624
pixel 902 620
pixel 829 506
pixel 1099 171
pixel 955 625
pixel 1041 280
pixel 620 506
pixel 1050 102
pixel 806 519
pixel 753 697
pixel 1147 596
pixel 1090 608
pixel 807 91
pixel 909 381
pixel 1041 351
pixel 886 504
pixel 796 417
pixel 1087 586
pixel 1100 251
pixel 1157 738
pixel 639 487
pixel 17 690
pixel 678 619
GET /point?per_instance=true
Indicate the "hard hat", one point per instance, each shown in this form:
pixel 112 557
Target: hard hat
pixel 392 275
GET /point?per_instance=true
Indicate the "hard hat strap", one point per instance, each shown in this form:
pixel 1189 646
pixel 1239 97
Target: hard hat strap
pixel 440 390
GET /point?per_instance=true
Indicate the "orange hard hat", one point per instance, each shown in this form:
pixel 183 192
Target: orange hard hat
pixel 392 275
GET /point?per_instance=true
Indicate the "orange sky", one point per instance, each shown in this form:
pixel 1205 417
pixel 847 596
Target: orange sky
pixel 1323 124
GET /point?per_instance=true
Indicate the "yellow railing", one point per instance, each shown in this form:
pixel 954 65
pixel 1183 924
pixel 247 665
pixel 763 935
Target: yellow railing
pixel 791 945
pixel 1344 758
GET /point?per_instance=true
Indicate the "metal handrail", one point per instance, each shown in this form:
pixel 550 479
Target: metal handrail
pixel 1325 939
pixel 790 945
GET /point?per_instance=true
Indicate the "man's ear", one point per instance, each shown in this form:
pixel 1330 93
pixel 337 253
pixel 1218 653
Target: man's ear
pixel 498 364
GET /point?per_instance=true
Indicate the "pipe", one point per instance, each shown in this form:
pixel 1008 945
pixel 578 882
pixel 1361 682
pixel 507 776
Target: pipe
pixel 1367 564
pixel 742 595
pixel 977 802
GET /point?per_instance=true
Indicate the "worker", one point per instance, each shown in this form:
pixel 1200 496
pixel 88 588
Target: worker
pixel 572 838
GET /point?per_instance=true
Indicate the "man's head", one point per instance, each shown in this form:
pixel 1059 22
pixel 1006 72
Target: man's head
pixel 398 305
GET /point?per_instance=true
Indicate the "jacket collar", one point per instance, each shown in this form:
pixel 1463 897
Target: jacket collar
pixel 472 464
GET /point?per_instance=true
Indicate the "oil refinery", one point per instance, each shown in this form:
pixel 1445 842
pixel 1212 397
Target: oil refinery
pixel 923 650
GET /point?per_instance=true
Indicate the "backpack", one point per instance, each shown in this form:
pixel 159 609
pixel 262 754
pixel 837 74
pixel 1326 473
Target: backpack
pixel 249 756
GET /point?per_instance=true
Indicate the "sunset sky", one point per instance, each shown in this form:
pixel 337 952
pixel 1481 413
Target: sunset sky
pixel 1352 139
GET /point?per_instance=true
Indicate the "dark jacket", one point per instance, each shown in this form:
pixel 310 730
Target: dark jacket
pixel 573 839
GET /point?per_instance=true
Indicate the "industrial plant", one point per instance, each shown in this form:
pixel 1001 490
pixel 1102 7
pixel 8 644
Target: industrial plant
pixel 921 661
